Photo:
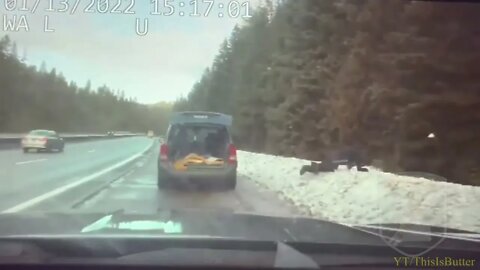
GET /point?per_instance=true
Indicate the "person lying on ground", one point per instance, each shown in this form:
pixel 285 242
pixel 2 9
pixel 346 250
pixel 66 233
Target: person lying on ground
pixel 328 166
pixel 349 156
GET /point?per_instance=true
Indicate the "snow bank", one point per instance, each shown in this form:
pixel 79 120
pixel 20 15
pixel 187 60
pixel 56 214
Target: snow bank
pixel 353 197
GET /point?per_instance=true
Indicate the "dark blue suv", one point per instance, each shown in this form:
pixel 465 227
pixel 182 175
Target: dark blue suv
pixel 202 134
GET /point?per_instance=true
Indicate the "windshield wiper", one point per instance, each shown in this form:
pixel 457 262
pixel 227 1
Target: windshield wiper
pixel 463 236
pixel 459 235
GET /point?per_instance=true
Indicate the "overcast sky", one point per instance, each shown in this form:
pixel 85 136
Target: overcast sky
pixel 105 48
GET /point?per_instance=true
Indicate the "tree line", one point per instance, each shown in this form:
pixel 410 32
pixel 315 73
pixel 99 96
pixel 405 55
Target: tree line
pixel 42 99
pixel 397 78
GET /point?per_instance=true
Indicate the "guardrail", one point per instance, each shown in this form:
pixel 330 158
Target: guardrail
pixel 12 141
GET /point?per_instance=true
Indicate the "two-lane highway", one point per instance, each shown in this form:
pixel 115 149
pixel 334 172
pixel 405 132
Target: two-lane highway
pixel 27 176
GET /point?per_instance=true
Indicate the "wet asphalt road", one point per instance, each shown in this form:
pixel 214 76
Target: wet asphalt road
pixel 104 176
pixel 26 176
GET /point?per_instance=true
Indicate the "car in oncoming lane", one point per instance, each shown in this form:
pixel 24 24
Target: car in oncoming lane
pixel 198 148
pixel 42 140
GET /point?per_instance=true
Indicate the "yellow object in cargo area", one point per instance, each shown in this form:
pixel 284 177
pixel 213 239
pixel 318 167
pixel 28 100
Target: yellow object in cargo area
pixel 194 159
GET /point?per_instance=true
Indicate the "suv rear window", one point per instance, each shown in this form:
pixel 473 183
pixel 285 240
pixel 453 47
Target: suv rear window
pixel 193 132
pixel 209 140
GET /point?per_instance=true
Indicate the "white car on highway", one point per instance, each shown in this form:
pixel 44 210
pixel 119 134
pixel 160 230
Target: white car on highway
pixel 46 140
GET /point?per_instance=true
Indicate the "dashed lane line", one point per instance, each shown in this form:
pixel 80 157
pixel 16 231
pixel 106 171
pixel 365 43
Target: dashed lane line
pixel 30 161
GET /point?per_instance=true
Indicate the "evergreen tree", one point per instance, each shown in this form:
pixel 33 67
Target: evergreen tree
pixel 43 67
pixel 306 78
pixel 31 99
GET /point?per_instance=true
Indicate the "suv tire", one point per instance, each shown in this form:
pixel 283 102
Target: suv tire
pixel 231 181
pixel 162 180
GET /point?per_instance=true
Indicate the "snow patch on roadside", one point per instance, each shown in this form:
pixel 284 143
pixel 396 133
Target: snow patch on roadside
pixel 353 197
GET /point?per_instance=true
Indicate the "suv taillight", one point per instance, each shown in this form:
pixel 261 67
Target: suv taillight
pixel 43 140
pixel 164 152
pixel 232 154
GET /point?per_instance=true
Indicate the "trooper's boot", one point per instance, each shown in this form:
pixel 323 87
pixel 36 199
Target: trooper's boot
pixel 312 168
pixel 304 169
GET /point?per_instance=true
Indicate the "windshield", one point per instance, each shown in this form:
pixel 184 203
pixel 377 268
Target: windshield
pixel 354 112
pixel 42 133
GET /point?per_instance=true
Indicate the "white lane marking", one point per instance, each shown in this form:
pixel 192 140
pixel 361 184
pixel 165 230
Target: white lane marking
pixel 91 151
pixel 30 161
pixel 55 192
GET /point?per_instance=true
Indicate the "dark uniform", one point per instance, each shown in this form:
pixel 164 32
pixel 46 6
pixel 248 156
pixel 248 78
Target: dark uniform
pixel 350 156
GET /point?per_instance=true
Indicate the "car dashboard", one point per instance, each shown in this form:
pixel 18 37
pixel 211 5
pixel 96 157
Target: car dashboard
pixel 143 253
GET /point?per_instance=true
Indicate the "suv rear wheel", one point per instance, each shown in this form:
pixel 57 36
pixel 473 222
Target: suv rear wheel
pixel 231 181
pixel 162 180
